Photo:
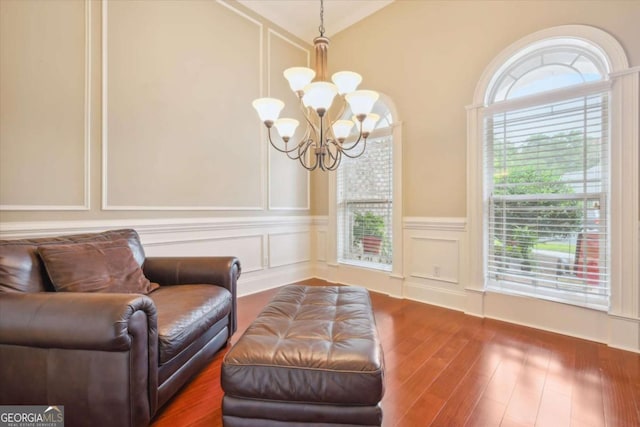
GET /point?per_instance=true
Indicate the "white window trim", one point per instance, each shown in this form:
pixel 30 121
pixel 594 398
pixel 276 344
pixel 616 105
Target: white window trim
pixel 625 106
pixel 395 130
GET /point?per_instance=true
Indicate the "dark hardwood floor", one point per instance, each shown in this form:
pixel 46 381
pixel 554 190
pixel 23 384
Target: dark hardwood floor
pixel 444 368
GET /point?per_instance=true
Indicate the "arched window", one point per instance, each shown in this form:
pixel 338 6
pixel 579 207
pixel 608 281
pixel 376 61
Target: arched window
pixel 548 65
pixel 365 198
pixel 546 172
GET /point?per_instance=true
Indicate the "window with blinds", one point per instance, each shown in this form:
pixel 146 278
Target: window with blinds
pixel 365 202
pixel 547 187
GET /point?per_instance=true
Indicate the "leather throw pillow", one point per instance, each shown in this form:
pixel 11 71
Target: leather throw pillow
pixel 95 267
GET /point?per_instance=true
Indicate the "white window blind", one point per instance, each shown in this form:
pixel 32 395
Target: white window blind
pixel 547 190
pixel 365 205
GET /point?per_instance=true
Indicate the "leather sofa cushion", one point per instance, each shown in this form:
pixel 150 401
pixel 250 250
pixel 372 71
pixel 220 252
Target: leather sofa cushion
pixel 312 344
pixel 185 312
pixel 22 270
pixel 95 267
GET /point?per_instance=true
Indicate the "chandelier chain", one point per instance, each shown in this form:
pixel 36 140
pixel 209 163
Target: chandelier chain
pixel 321 27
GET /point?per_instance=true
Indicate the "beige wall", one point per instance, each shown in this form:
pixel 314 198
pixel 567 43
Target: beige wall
pixel 428 57
pixel 152 121
pixel 179 80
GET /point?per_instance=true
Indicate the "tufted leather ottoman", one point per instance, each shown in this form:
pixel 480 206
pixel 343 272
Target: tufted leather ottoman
pixel 311 356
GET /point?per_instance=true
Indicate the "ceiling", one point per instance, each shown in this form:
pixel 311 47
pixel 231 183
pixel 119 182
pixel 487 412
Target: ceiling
pixel 302 17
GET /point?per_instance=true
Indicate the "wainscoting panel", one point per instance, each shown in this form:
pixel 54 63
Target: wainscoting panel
pixel 246 248
pixel 273 251
pixel 289 248
pixel 278 250
pixel 433 261
pixel 434 258
pixel 321 245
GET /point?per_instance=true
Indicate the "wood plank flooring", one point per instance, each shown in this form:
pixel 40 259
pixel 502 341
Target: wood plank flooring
pixel 444 368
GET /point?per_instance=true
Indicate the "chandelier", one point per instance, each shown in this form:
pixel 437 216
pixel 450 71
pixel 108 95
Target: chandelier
pixel 323 143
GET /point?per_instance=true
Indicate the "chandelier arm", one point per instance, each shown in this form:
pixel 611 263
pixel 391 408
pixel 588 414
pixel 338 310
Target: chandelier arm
pixel 306 136
pixel 340 113
pixel 336 161
pixel 304 142
pixel 286 151
pixel 354 145
pixel 364 146
pixel 302 147
pixel 292 157
pixel 305 165
pixel 360 135
pixel 302 150
pixel 310 125
pixel 338 149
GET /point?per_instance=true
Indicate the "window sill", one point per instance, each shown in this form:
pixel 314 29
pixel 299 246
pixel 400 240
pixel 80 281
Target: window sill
pixel 366 264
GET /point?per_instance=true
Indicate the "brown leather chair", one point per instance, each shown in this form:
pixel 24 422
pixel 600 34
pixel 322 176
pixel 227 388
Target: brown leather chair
pixel 112 359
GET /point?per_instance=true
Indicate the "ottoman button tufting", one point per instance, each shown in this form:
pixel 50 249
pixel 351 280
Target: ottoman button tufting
pixel 311 356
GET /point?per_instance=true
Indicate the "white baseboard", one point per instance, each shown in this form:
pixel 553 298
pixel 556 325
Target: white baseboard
pixel 441 297
pixel 273 278
pixel 624 333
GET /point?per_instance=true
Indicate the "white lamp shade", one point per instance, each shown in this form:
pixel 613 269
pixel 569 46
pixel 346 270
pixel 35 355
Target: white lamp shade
pixel 342 128
pixel 369 122
pixel 361 101
pixel 347 81
pixel 286 127
pixel 299 77
pixel 319 95
pixel 268 108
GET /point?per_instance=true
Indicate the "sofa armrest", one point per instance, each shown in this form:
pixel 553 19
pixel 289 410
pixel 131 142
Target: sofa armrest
pixel 83 321
pixel 220 271
pixel 79 349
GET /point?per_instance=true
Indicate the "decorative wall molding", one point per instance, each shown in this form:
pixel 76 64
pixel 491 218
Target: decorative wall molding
pixel 625 188
pixel 18 230
pixel 444 254
pixel 630 70
pixel 271 32
pixel 278 250
pixel 286 248
pixel 321 245
pixel 86 204
pixel 249 248
pixel 105 139
pixel 434 223
pixel 273 251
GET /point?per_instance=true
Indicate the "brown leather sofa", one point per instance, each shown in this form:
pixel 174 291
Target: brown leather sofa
pixel 112 359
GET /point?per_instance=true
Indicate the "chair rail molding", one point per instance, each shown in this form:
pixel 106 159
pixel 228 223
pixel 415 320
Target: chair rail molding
pixel 252 239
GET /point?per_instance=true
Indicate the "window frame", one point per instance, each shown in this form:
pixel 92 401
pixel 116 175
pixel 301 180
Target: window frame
pixel 332 256
pixel 623 84
pixel 377 133
pixel 585 299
